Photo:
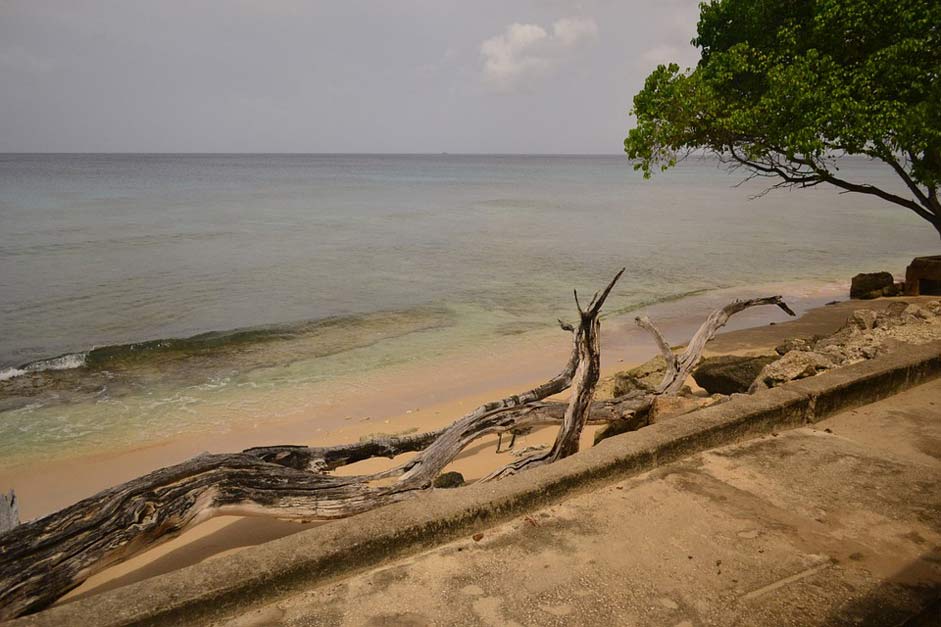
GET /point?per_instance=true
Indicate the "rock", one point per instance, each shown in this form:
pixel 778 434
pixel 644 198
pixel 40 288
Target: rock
pixel 794 365
pixel 449 480
pixel 917 311
pixel 729 374
pixel 895 309
pixel 793 344
pixel 871 285
pixel 644 377
pixel 863 319
pixel 625 384
pixel 891 316
pixel 837 353
pixel 670 406
pixel 923 276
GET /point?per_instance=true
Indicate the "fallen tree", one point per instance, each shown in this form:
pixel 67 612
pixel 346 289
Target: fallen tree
pixel 43 559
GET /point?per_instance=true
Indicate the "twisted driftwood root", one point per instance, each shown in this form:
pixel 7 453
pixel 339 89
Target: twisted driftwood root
pixel 43 559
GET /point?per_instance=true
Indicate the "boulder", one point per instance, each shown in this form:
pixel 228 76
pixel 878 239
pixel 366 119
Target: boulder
pixel 872 285
pixel 923 276
pixel 730 374
pixel 644 377
pixel 794 365
pixel 449 480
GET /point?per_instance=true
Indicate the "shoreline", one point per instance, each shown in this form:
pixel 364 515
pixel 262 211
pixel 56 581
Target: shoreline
pixel 411 397
pixel 756 331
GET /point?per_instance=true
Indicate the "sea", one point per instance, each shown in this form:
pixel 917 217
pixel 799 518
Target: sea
pixel 145 296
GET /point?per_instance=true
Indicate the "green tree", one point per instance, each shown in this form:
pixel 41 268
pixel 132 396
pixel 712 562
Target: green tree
pixel 785 88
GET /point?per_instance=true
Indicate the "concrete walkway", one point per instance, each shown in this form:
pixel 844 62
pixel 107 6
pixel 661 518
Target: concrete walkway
pixel 836 523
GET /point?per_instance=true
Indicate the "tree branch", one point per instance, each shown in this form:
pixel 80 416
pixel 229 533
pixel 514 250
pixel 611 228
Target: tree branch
pixel 675 377
pixel 644 323
pixel 817 174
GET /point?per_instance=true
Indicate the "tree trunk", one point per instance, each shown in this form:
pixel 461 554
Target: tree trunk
pixel 585 380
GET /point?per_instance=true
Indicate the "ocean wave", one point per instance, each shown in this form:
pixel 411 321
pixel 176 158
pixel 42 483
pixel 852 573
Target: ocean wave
pixel 310 338
pixel 658 300
pixel 62 362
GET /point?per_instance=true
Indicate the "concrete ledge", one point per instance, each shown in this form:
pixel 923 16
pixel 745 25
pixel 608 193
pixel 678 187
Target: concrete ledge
pixel 870 381
pixel 265 573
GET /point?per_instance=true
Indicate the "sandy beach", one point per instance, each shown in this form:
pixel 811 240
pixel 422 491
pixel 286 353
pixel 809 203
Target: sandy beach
pixel 422 397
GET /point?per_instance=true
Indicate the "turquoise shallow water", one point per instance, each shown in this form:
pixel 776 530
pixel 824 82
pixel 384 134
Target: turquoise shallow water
pixel 293 269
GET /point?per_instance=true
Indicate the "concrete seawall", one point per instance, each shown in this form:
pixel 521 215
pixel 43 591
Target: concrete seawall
pixel 265 573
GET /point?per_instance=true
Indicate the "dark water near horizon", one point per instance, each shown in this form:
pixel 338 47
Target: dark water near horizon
pixel 274 260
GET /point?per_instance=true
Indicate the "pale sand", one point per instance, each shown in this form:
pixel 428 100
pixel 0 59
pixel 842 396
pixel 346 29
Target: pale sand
pixel 436 394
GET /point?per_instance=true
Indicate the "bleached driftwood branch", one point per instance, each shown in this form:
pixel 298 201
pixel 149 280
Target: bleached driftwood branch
pixel 9 511
pixel 679 367
pixel 43 559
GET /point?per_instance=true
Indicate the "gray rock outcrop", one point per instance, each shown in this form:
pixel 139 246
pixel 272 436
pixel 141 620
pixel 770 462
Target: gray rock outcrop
pixel 872 285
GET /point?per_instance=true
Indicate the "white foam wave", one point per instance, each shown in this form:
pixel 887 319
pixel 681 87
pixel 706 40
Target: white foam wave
pixel 9 373
pixel 62 362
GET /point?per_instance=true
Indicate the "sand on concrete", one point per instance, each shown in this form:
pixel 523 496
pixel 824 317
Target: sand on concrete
pixel 837 523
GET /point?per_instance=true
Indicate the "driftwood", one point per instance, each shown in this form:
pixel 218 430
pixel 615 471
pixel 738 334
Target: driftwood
pixel 681 366
pixel 585 380
pixel 43 559
pixel 9 511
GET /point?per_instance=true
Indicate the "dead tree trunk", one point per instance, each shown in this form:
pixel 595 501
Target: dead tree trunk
pixel 588 349
pixel 43 559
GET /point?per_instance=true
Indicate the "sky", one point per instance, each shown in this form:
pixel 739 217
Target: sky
pixel 380 76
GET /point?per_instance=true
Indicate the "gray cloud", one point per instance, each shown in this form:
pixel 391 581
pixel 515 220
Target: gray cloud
pixel 525 51
pixel 351 76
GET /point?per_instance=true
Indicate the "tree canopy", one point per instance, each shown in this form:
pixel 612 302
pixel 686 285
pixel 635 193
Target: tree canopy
pixel 787 87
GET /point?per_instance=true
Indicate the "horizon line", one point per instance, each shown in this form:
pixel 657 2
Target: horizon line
pixel 395 154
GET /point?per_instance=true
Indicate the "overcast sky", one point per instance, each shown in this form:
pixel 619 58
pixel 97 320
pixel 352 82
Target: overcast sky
pixel 511 76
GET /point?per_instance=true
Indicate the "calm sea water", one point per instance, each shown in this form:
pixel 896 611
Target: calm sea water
pixel 294 268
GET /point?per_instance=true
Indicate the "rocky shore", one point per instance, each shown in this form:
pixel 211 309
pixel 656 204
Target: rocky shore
pixel 866 334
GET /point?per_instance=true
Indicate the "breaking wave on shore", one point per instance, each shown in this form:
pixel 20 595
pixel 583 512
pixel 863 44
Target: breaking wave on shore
pixel 62 362
pixel 206 357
